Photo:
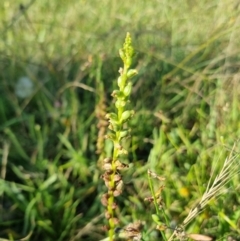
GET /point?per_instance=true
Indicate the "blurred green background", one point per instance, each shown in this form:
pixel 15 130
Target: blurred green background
pixel 58 59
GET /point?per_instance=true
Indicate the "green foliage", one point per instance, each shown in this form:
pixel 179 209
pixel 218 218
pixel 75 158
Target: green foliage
pixel 61 56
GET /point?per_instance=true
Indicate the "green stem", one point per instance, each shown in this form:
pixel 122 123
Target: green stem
pixel 156 205
pixel 153 194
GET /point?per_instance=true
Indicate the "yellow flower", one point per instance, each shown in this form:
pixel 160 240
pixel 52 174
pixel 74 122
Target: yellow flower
pixel 184 192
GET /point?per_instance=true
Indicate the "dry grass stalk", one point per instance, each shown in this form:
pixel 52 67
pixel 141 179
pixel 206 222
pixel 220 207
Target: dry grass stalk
pixel 230 168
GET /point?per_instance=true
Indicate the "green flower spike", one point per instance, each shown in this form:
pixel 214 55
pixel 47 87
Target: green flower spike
pixel 118 131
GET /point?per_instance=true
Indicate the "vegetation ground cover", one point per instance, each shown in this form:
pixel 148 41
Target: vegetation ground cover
pixel 59 65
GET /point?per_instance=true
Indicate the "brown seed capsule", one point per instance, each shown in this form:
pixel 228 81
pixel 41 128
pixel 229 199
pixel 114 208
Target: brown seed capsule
pixel 121 165
pixel 129 234
pixel 107 160
pixel 108 185
pixel 105 176
pixel 154 175
pixel 107 167
pixel 107 215
pixel 117 193
pixel 115 221
pixel 117 178
pixel 114 206
pixel 119 185
pixel 105 228
pixel 104 199
pixel 149 199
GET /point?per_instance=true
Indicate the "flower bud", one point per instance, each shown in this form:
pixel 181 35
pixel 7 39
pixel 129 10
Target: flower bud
pixel 122 54
pixel 113 126
pixel 123 152
pixel 127 89
pixel 115 93
pixel 131 73
pixel 112 116
pixel 128 62
pixel 122 81
pixel 125 116
pixel 120 104
pixel 123 134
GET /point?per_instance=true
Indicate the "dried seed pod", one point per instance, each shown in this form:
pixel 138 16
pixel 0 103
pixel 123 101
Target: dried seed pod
pixel 117 193
pixel 107 160
pixel 114 205
pixel 107 215
pixel 105 228
pixel 154 175
pixel 128 233
pixel 118 146
pixel 117 177
pixel 104 199
pixel 107 167
pixel 121 165
pixel 105 176
pixel 162 227
pixel 115 220
pixel 149 199
pixel 119 186
pixel 108 185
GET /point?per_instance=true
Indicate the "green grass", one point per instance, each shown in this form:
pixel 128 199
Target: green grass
pixel 185 98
